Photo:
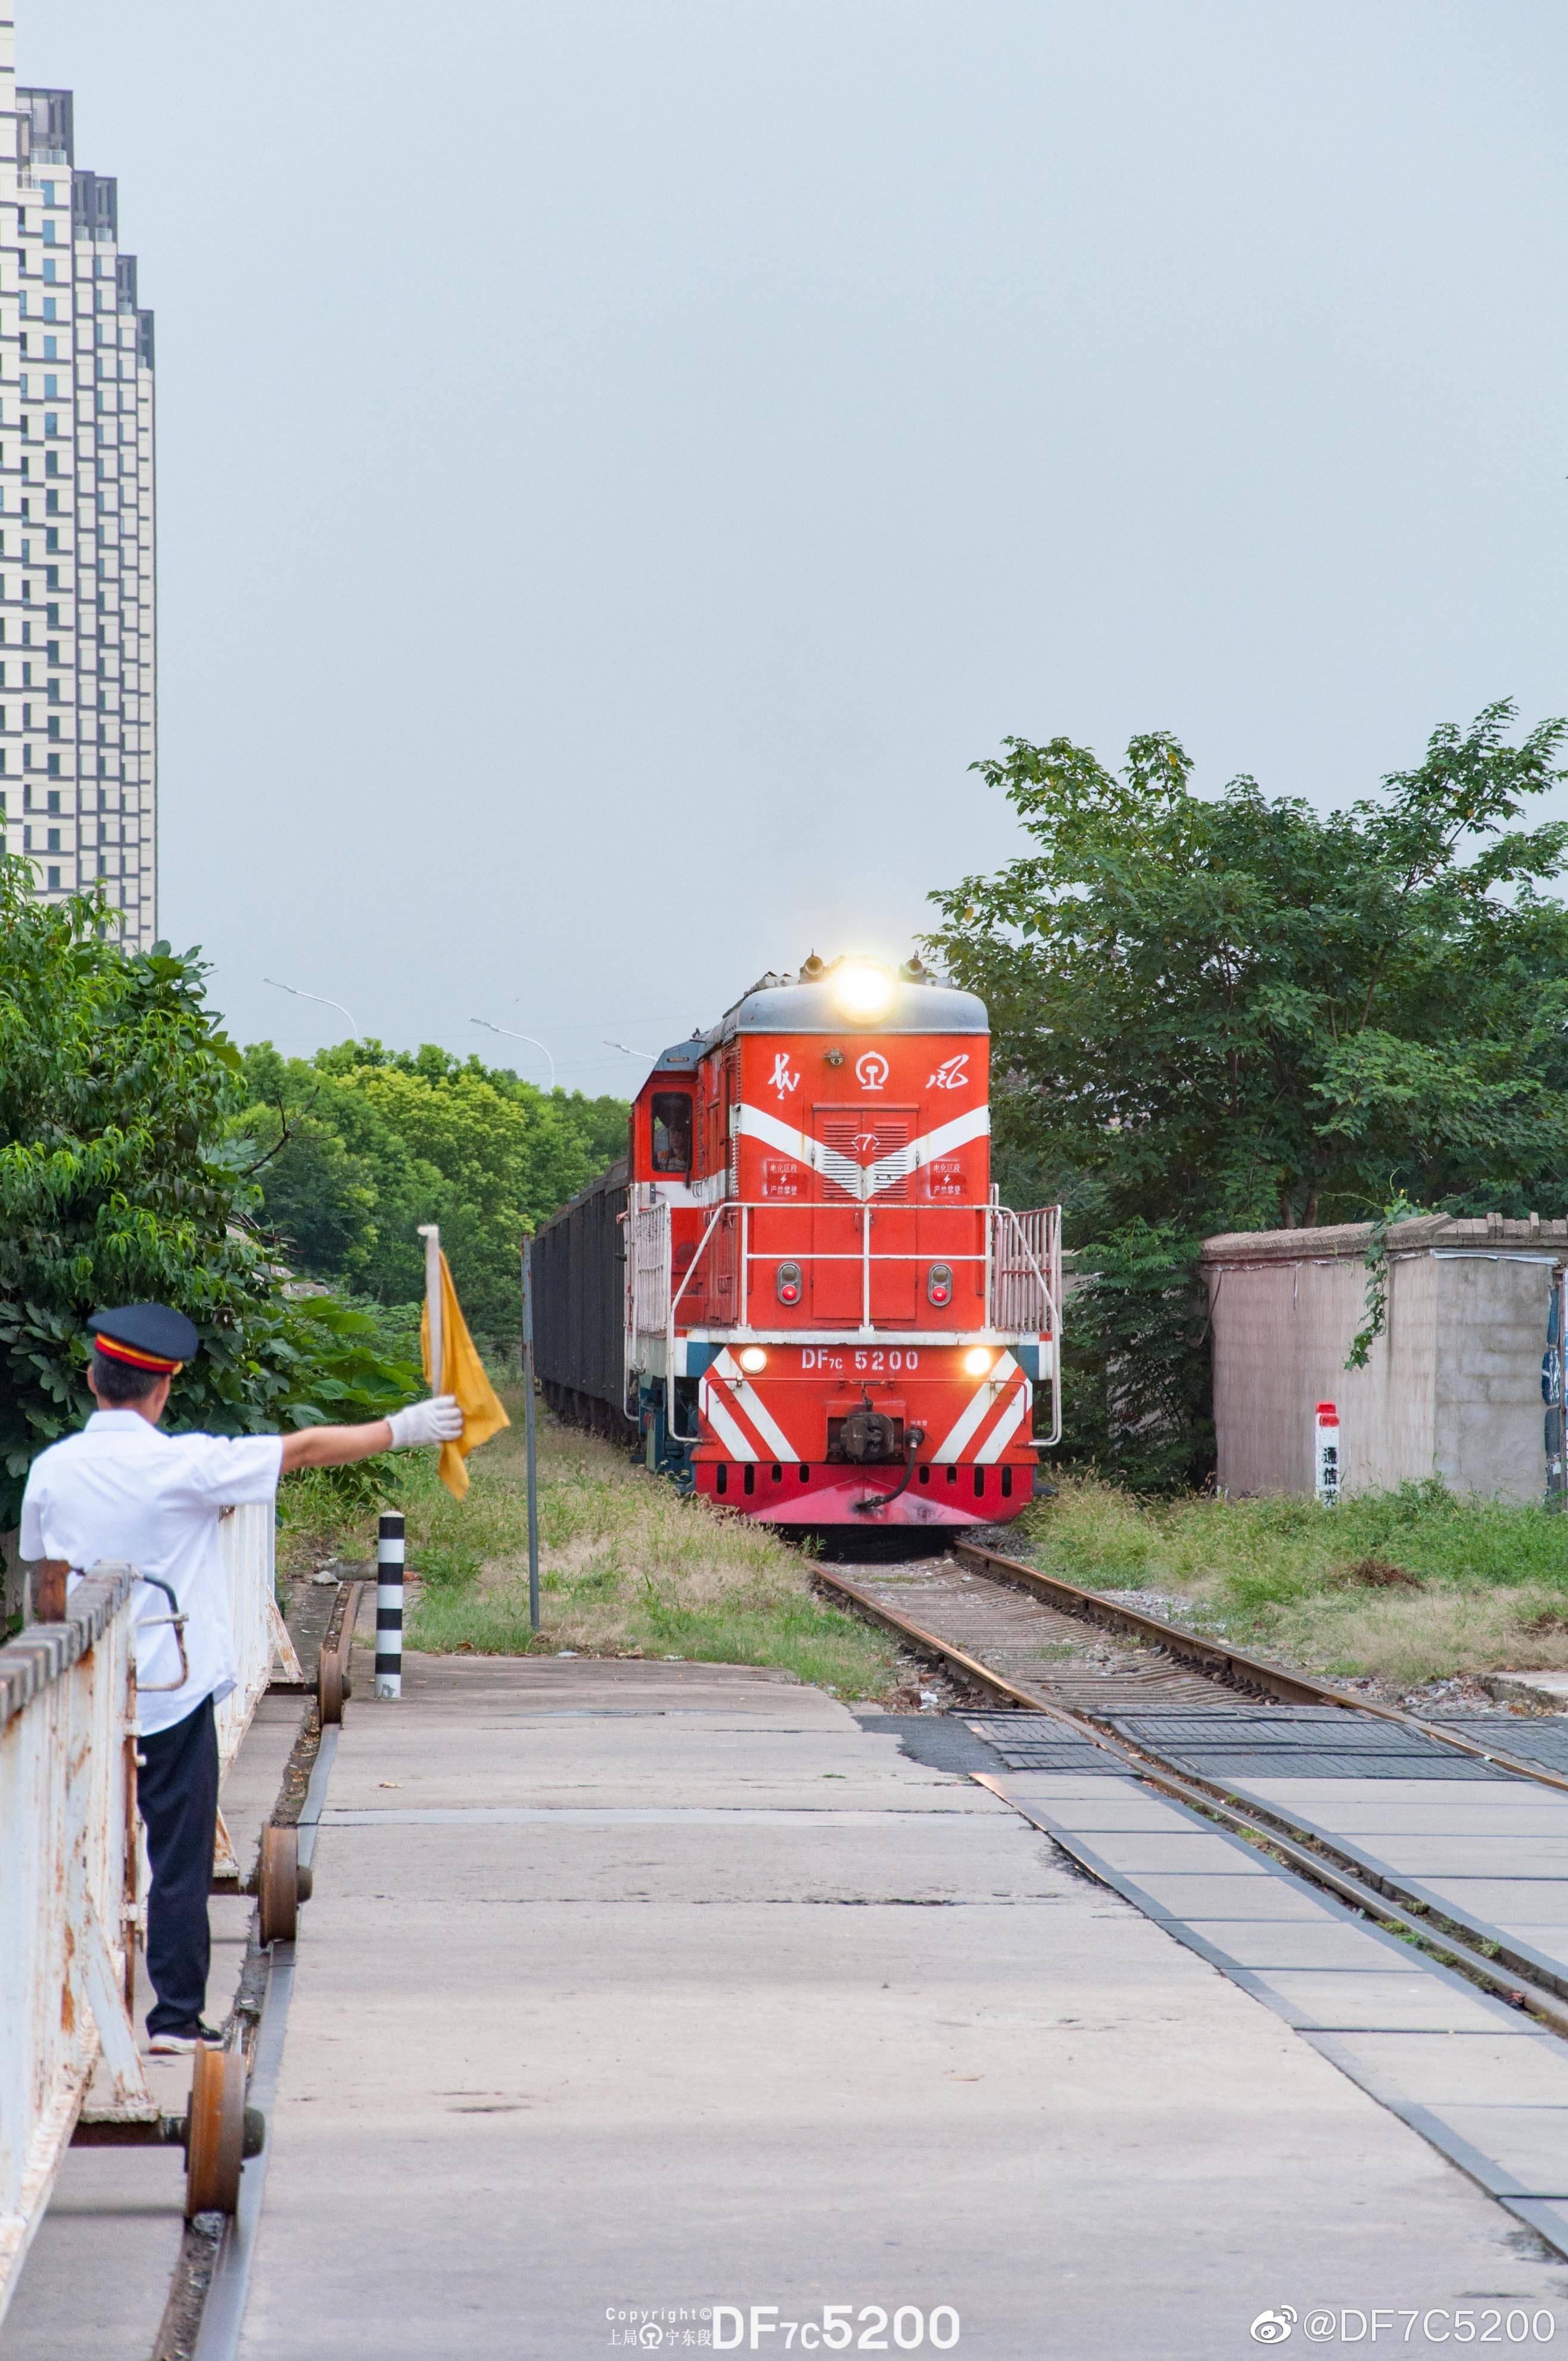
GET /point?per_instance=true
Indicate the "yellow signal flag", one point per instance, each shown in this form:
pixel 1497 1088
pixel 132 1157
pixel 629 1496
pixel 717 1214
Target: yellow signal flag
pixel 463 1374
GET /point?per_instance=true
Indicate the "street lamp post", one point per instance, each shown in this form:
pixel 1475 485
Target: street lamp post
pixel 317 997
pixel 511 1035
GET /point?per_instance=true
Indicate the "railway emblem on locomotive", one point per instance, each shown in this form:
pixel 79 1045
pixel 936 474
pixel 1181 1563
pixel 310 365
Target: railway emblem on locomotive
pixel 871 1070
pixel 784 1077
pixel 951 1074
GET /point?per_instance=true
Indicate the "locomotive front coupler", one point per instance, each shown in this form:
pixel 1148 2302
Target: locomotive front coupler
pixel 875 1502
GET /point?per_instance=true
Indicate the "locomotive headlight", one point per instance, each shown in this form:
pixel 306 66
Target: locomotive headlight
pixel 977 1361
pixel 753 1360
pixel 862 991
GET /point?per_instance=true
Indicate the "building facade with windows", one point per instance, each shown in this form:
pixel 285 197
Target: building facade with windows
pixel 78 575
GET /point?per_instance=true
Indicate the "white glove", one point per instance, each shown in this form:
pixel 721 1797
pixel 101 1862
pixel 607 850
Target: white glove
pixel 437 1420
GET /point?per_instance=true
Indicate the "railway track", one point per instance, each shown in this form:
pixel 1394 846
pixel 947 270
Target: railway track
pixel 1092 1684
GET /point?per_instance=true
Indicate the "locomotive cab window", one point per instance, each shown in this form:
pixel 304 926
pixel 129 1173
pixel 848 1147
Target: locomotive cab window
pixel 672 1117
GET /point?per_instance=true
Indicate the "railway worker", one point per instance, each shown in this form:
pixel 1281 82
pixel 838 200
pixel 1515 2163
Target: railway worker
pixel 121 1489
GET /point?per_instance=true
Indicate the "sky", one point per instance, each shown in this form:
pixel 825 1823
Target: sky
pixel 622 461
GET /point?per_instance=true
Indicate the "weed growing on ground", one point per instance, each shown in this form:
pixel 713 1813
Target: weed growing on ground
pixel 319 1518
pixel 1413 1585
pixel 627 1567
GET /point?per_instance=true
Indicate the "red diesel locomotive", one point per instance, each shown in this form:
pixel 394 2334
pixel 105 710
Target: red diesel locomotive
pixel 825 1316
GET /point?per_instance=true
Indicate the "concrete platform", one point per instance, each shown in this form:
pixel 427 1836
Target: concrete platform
pixel 639 1988
pixel 1549 1688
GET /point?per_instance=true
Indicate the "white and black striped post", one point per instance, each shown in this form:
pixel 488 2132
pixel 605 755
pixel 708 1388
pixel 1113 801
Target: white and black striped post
pixel 389 1607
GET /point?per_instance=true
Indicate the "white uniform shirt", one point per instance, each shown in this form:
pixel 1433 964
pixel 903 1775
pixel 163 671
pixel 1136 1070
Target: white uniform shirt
pixel 121 1489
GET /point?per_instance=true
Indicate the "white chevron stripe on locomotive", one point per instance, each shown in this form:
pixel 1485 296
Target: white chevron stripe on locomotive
pixel 862 1181
pixel 1016 1407
pixel 739 1446
pixel 994 1391
pixel 734 1393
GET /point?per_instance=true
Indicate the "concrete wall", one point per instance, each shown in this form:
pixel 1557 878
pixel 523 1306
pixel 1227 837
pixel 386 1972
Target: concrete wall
pixel 1490 1432
pixel 1451 1387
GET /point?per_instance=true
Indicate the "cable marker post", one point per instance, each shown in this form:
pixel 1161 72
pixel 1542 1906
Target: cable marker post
pixel 528 1424
pixel 389 1607
pixel 1325 1454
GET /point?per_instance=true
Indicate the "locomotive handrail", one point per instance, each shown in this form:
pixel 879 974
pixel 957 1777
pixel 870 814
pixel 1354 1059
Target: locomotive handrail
pixel 1011 1277
pixel 1047 1279
pixel 670 1415
pixel 1021 1284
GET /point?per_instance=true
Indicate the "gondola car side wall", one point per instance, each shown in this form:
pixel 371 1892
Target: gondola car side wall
pixel 578 1306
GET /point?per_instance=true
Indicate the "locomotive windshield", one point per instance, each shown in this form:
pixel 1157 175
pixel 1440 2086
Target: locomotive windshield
pixel 671 1131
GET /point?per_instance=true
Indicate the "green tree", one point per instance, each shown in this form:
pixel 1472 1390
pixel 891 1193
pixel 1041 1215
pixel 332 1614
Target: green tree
pixel 359 1145
pixel 119 1181
pixel 1239 1013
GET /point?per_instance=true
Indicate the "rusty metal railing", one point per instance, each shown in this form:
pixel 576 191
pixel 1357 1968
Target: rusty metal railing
pixel 73 1869
pixel 68 1892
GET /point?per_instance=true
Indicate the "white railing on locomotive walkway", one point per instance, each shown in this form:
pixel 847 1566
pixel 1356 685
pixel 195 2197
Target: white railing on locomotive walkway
pixel 1026 1271
pixel 73 1869
pixel 1022 1259
pixel 647 1272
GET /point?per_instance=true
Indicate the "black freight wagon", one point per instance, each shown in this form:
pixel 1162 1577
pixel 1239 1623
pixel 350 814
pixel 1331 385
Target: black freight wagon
pixel 579 1272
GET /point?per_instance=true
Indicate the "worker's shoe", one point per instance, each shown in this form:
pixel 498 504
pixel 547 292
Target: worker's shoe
pixel 184 2039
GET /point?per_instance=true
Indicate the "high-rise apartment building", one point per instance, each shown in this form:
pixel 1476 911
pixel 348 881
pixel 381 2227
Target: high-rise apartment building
pixel 78 647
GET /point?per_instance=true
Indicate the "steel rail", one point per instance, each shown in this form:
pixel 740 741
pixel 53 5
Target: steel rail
pixel 1449 1937
pixel 1517 1986
pixel 1234 1665
pixel 900 1628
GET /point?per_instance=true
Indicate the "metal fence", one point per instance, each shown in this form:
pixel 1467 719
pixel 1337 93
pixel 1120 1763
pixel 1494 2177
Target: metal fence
pixel 247 1538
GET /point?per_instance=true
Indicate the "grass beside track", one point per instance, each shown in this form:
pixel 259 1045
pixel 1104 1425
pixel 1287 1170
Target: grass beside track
pixel 1409 1586
pixel 627 1567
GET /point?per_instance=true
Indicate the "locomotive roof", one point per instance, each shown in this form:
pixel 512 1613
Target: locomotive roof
pixel 682 1059
pixel 781 1004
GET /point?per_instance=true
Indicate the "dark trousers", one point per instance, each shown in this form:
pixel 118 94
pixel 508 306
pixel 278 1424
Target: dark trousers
pixel 177 1792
